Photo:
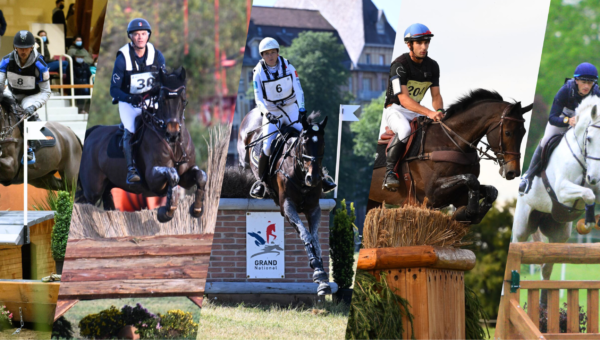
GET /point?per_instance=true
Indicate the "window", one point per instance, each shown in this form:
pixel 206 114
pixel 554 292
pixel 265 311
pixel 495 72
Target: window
pixel 250 77
pixel 368 58
pixel 383 84
pixel 254 50
pixel 381 59
pixel 381 26
pixel 350 84
pixel 366 84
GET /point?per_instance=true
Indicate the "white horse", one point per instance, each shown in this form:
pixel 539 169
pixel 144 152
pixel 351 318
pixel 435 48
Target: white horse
pixel 573 172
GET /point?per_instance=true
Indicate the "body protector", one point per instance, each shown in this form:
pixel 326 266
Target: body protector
pixel 139 78
pixel 28 83
pixel 276 88
pixel 418 78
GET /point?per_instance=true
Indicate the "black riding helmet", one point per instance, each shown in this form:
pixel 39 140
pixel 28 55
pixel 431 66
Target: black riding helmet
pixel 139 24
pixel 24 39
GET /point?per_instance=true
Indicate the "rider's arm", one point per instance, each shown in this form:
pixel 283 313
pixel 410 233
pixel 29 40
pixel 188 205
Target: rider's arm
pixel 297 87
pixel 44 84
pixel 409 104
pixel 117 80
pixel 258 92
pixel 3 67
pixel 559 103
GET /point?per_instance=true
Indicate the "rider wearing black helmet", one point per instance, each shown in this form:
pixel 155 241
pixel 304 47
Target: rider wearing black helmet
pixel 27 75
pixel 134 73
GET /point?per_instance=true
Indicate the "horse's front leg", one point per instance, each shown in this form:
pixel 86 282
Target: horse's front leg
pixel 313 249
pixel 319 276
pixel 569 192
pixel 445 186
pixel 195 176
pixel 167 176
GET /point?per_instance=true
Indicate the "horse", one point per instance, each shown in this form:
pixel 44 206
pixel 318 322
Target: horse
pixel 573 173
pixel 60 152
pixel 164 154
pixel 442 182
pixel 296 185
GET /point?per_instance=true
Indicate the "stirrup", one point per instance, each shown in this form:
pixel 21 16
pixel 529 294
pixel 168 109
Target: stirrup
pixel 525 186
pixel 29 161
pixel 133 177
pixel 256 184
pixel 386 184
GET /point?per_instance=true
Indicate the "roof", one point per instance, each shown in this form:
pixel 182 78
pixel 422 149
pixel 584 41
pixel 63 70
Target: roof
pixel 289 17
pixel 354 20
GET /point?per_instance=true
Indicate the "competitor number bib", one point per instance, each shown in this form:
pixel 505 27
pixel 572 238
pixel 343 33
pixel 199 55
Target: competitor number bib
pixel 279 89
pixel 417 89
pixel 141 82
pixel 21 82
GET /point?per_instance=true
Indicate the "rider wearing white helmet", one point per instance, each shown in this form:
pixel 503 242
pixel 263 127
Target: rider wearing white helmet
pixel 278 93
pixel 411 75
pixel 134 73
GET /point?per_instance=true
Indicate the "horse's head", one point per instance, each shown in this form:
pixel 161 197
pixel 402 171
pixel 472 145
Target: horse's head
pixel 587 133
pixel 172 102
pixel 312 147
pixel 505 138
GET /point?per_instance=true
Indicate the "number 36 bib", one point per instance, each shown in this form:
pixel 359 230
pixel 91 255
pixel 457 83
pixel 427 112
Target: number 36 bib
pixel 141 82
pixel 279 89
pixel 21 82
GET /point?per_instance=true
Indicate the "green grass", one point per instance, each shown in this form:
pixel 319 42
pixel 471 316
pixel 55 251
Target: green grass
pixel 327 320
pixel 154 305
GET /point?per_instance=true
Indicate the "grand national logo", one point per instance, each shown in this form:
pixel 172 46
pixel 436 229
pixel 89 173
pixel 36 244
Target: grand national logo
pixel 266 246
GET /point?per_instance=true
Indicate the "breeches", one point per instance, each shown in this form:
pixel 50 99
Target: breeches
pixel 397 119
pixel 292 111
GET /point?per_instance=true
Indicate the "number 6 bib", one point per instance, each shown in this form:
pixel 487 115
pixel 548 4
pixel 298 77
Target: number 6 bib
pixel 279 89
pixel 141 82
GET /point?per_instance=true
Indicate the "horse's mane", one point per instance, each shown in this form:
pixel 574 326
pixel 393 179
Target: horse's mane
pixel 583 112
pixel 173 80
pixel 470 99
pixel 587 102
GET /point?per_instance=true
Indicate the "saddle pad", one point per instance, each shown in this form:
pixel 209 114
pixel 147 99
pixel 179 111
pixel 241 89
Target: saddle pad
pixel 114 149
pixel 380 156
pixel 548 148
pixel 50 140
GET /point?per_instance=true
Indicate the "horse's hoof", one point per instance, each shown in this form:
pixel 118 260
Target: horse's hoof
pixel 324 289
pixel 584 228
pixel 196 213
pixel 162 215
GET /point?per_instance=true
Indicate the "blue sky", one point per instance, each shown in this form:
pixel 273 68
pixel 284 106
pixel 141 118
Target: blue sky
pixel 391 8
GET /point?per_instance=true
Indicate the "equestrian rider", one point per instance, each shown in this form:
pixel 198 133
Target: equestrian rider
pixel 28 78
pixel 411 75
pixel 562 114
pixel 277 92
pixel 134 73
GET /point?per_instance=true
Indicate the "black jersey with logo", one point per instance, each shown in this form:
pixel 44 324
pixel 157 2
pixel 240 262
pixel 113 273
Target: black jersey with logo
pixel 417 77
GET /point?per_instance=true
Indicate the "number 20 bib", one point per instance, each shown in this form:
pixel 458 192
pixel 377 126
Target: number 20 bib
pixel 21 82
pixel 417 89
pixel 279 89
pixel 141 82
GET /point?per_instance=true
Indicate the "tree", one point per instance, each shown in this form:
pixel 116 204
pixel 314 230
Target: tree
pixel 367 129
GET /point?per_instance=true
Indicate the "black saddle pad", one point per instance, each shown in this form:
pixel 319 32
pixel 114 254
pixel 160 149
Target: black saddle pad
pixel 115 147
pixel 50 140
pixel 549 148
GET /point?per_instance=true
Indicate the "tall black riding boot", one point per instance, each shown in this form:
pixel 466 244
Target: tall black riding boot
pixel 132 175
pixel 258 189
pixel 532 171
pixel 394 153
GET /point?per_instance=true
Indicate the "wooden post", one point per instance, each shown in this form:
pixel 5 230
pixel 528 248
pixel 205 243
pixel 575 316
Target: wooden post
pixel 592 310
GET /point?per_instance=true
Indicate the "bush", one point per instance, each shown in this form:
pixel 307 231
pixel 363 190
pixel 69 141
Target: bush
pixel 105 324
pixel 5 318
pixel 341 241
pixel 136 315
pixel 177 324
pixel 562 319
pixel 62 329
pixel 62 223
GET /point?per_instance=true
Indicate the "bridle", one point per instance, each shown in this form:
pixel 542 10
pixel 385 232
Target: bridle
pixel 300 157
pixel 483 154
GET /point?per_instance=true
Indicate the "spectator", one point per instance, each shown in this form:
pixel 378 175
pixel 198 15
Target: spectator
pixel 2 24
pixel 71 25
pixel 46 53
pixel 77 49
pixel 53 65
pixel 81 75
pixel 58 17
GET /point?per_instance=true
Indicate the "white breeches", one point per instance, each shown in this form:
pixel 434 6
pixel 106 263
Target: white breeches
pixel 292 115
pixel 397 119
pixel 25 101
pixel 550 131
pixel 128 114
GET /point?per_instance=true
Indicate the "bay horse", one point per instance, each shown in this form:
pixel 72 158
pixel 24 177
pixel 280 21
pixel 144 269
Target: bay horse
pixel 296 185
pixel 165 155
pixel 479 114
pixel 63 156
pixel 573 173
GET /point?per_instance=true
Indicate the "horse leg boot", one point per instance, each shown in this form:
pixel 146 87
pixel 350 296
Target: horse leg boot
pixel 394 152
pixel 319 274
pixel 132 175
pixel 258 189
pixel 166 212
pixel 532 171
pixel 447 185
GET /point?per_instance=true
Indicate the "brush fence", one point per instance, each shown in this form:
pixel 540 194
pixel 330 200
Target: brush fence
pixel 227 272
pixel 431 279
pixel 26 257
pixel 515 323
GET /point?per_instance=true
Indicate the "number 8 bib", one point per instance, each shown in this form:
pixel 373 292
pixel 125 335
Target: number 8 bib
pixel 21 82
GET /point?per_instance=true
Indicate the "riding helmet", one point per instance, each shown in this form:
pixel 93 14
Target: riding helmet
pixel 24 39
pixel 268 44
pixel 586 71
pixel 139 24
pixel 416 32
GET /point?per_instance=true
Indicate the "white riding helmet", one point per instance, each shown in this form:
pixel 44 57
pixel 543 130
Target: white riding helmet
pixel 268 44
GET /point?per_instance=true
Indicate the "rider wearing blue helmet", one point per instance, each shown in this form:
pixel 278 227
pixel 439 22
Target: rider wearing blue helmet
pixel 562 114
pixel 134 73
pixel 411 76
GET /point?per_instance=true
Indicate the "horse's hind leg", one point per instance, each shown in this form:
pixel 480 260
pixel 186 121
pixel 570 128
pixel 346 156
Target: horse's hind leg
pixel 107 198
pixel 195 176
pixel 166 212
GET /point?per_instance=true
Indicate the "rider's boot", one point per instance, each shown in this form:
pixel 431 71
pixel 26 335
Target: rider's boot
pixel 328 183
pixel 394 152
pixel 258 189
pixel 132 174
pixel 532 171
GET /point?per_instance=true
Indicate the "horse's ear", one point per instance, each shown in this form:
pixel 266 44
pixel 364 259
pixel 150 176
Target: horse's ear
pixel 527 109
pixel 594 112
pixel 323 124
pixel 304 122
pixel 517 107
pixel 182 74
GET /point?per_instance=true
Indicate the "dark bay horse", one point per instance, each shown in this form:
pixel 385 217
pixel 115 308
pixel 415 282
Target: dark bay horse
pixel 297 184
pixel 165 155
pixel 479 114
pixel 63 157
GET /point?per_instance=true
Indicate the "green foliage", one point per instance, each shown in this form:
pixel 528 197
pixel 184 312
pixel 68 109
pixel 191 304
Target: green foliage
pixel 342 245
pixel 473 313
pixel 367 129
pixel 49 203
pixel 177 324
pixel 376 312
pixel 62 329
pixel 491 239
pixel 5 318
pixel 62 223
pixel 135 315
pixel 105 324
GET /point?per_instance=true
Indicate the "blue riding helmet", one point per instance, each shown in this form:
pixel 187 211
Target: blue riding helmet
pixel 416 32
pixel 139 24
pixel 586 71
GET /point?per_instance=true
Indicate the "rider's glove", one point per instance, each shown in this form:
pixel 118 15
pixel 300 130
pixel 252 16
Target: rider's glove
pixel 135 100
pixel 272 119
pixel 29 110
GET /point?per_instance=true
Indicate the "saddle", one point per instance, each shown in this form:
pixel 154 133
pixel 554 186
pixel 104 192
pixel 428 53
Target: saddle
pixel 115 145
pixel 561 213
pixel 277 148
pixel 49 142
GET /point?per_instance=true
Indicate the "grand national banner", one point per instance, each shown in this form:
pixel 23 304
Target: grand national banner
pixel 265 244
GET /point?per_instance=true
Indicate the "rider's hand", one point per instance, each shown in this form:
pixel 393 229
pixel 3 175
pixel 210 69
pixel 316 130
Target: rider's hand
pixel 272 119
pixel 29 110
pixel 573 121
pixel 135 99
pixel 436 115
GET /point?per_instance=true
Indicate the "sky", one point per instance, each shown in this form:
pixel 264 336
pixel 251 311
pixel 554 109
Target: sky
pixel 494 45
